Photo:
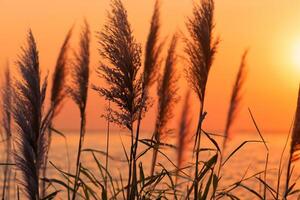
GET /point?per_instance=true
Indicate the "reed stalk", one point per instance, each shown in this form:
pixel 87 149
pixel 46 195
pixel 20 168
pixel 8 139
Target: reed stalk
pixel 123 54
pixel 235 99
pixel 31 125
pixel 58 93
pixel 6 121
pixel 234 104
pixel 184 133
pixel 295 146
pixel 79 91
pixel 151 68
pixel 167 99
pixel 200 49
pixel 107 143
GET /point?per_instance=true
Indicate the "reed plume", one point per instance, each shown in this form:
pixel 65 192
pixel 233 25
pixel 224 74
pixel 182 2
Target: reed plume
pixel 235 98
pixel 295 145
pixel 59 89
pixel 6 122
pixel 79 90
pixel 123 55
pixel 152 52
pixel 200 49
pixel 151 68
pixel 184 133
pixel 58 92
pixel 167 99
pixel 29 94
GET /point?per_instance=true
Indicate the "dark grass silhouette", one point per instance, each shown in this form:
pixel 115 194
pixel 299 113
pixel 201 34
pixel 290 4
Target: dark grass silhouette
pixel 31 142
pixel 184 133
pixel 200 49
pixel 149 76
pixel 79 91
pixel 7 133
pixel 167 99
pixel 58 94
pixel 127 89
pixel 123 53
pixel 294 148
pixel 234 106
pixel 235 99
pixel 151 67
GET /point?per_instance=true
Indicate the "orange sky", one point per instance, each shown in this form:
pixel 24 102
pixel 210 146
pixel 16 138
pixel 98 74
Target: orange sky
pixel 270 28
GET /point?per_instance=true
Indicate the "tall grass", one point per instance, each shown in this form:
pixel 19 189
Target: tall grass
pixel 79 91
pixel 235 99
pixel 151 67
pixel 200 49
pixel 123 54
pixel 58 93
pixel 6 123
pixel 167 98
pixel 127 90
pixel 31 126
pixel 184 132
pixel 294 148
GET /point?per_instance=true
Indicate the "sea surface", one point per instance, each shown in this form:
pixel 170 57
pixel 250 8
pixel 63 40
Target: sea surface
pixel 246 162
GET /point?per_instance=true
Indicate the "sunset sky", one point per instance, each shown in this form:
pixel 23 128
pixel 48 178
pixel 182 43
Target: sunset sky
pixel 269 28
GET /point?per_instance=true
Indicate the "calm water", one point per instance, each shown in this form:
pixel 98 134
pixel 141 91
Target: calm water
pixel 249 160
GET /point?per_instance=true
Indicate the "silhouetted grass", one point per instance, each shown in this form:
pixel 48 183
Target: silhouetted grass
pixel 31 142
pixel 6 123
pixel 58 93
pixel 184 133
pixel 235 99
pixel 200 49
pixel 151 68
pixel 126 89
pixel 294 149
pixel 167 98
pixel 123 53
pixel 79 91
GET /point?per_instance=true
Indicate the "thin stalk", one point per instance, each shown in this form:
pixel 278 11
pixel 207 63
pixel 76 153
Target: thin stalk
pixel 280 163
pixel 134 178
pixel 44 171
pixel 6 182
pixel 107 145
pixel 198 136
pixel 288 175
pixel 130 166
pixel 82 132
pixel 134 175
pixel 154 156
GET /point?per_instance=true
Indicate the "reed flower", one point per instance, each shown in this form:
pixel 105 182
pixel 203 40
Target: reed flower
pixel 123 54
pixel 29 94
pixel 59 89
pixel 151 67
pixel 79 90
pixel 200 49
pixel 295 145
pixel 167 99
pixel 184 132
pixel 152 52
pixel 58 92
pixel 80 72
pixel 235 98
